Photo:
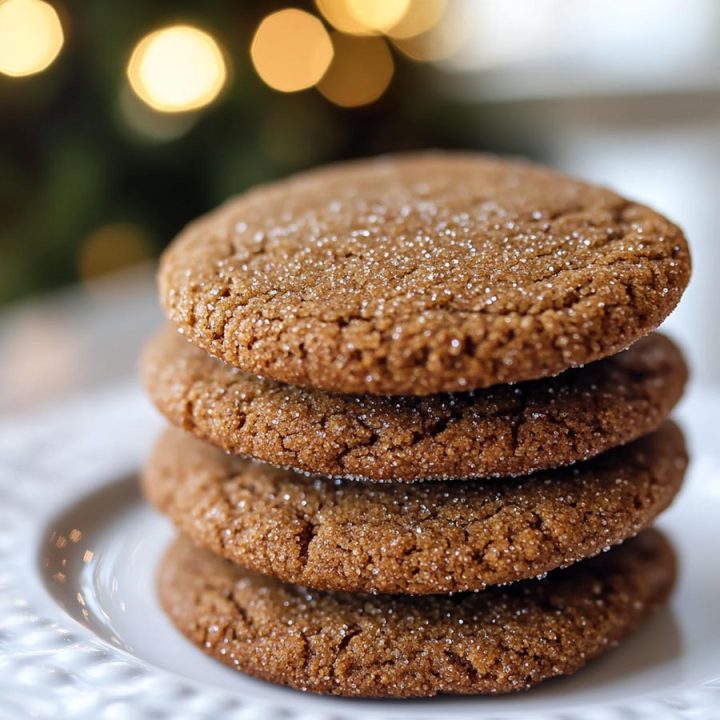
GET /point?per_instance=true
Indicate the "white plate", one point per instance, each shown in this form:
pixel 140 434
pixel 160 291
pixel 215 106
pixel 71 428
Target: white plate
pixel 82 636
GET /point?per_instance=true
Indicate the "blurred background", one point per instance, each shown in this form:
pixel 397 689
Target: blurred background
pixel 120 123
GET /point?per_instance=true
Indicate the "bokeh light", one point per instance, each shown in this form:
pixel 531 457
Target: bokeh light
pixel 113 247
pixel 177 69
pixel 149 124
pixel 360 72
pixel 443 40
pixel 338 14
pixel 379 15
pixel 31 36
pixel 421 16
pixel 291 50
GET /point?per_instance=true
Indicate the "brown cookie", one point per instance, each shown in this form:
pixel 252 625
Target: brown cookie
pixel 422 273
pixel 499 431
pixel 427 537
pixel 501 640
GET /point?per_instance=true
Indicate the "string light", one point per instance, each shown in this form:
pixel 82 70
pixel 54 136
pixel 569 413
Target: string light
pixel 442 41
pixel 421 16
pixel 360 72
pixel 176 69
pixel 338 14
pixel 31 36
pixel 378 15
pixel 291 50
pixel 398 19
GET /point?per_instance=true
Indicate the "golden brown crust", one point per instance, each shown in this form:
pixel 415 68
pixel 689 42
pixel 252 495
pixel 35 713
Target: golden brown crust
pixel 422 273
pixel 501 640
pixel 498 431
pixel 427 537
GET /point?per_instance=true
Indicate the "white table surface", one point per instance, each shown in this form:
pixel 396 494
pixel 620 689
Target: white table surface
pixel 77 339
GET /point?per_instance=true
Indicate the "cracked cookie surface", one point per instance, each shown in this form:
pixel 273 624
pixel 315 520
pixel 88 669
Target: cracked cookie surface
pixel 430 537
pixel 501 640
pixel 422 273
pixel 499 431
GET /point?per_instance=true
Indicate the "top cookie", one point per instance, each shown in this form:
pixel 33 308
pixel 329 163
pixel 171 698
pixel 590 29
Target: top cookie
pixel 422 273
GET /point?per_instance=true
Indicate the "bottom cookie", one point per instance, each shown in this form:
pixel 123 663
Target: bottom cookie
pixel 499 640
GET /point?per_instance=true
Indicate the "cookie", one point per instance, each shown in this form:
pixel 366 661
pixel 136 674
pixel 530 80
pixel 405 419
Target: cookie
pixel 501 640
pixel 422 273
pixel 498 431
pixel 431 537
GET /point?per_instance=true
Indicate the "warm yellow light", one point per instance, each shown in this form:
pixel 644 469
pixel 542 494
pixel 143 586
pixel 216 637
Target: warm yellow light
pixel 31 36
pixel 177 69
pixel 442 41
pixel 291 50
pixel 360 71
pixel 421 16
pixel 379 15
pixel 113 247
pixel 338 14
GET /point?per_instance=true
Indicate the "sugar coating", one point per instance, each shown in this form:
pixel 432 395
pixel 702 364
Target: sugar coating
pixel 498 641
pixel 422 273
pixel 432 537
pixel 499 431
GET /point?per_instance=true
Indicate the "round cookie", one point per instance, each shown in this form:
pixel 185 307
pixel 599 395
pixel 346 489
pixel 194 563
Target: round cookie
pixel 422 273
pixel 501 640
pixel 499 431
pixel 432 537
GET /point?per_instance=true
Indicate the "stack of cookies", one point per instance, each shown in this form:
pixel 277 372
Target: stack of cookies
pixel 416 398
